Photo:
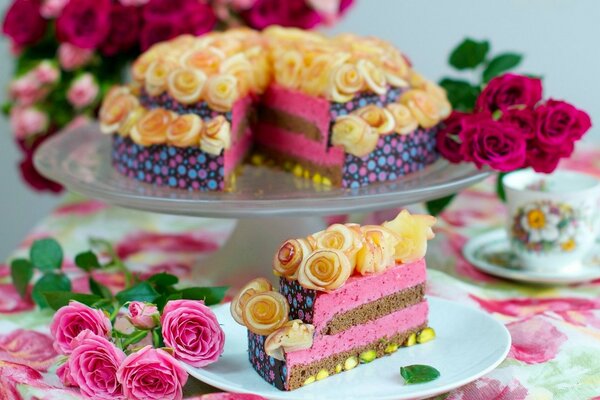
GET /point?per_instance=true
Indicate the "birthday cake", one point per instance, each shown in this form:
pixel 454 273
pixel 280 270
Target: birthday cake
pixel 344 111
pixel 347 295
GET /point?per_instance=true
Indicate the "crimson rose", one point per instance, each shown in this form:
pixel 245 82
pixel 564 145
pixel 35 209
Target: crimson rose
pixel 295 13
pixel 523 120
pixel 559 124
pixel 509 90
pixel 84 23
pixel 124 29
pixel 23 22
pixel 448 142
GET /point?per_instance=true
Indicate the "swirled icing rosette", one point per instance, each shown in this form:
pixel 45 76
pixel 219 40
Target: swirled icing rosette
pixel 157 74
pixel 217 136
pixel 117 106
pixel 347 81
pixel 290 255
pixel 378 118
pixel 378 251
pixel 339 237
pixel 294 335
pixel 373 76
pixel 405 122
pixel 265 312
pixel 354 134
pixel 239 66
pixel 325 270
pixel 422 106
pixel 152 128
pixel 207 60
pixel 185 131
pixel 186 84
pixel 258 285
pixel 413 231
pixel 288 69
pixel 221 92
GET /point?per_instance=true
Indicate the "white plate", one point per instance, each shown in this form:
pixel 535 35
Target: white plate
pixel 490 253
pixel 469 344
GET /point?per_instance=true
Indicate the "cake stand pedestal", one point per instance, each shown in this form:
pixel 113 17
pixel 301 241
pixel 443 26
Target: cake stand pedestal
pixel 80 160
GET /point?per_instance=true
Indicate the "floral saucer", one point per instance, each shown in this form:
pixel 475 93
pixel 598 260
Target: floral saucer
pixel 491 253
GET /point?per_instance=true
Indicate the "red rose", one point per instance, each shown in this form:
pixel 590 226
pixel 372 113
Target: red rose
pixel 158 31
pixel 291 13
pixel 448 141
pixel 524 120
pixel 509 90
pixel 488 142
pixel 124 29
pixel 84 23
pixel 34 179
pixel 200 18
pixel 559 124
pixel 545 161
pixel 23 23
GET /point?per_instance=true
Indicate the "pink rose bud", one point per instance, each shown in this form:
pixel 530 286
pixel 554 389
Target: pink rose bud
pixel 69 321
pixel 151 365
pixel 191 329
pixel 143 315
pixel 46 73
pixel 93 366
pixel 72 57
pixel 64 374
pixel 27 122
pixel 52 8
pixel 83 91
pixel 26 90
pixel 133 2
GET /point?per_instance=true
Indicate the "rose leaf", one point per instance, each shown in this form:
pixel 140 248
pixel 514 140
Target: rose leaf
pixel 21 272
pixel 500 64
pixel 50 282
pixel 58 299
pixel 87 261
pixel 46 254
pixel 419 374
pixel 461 94
pixel 435 207
pixel 469 54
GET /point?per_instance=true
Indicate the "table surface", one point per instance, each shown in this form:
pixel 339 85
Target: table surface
pixel 555 331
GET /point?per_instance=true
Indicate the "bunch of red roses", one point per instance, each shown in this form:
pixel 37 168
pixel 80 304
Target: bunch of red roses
pixel 513 128
pixel 136 357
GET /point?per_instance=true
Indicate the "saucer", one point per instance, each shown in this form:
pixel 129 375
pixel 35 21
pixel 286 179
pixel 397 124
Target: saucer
pixel 491 253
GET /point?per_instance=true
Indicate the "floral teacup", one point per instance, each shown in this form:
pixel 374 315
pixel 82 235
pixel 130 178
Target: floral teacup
pixel 553 219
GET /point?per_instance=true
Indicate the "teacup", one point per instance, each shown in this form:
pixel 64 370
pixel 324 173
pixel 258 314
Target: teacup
pixel 553 219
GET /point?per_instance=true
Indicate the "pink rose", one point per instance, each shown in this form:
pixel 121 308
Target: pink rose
pixel 294 13
pixel 143 315
pixel 46 73
pixel 27 122
pixel 559 123
pixel 448 141
pixel 133 2
pixel 535 340
pixel 523 120
pixel 26 90
pixel 494 144
pixel 69 321
pixel 52 8
pixel 83 91
pixel 64 374
pixel 509 90
pixel 72 57
pixel 124 29
pixel 151 374
pixel 191 329
pixel 84 23
pixel 93 366
pixel 23 23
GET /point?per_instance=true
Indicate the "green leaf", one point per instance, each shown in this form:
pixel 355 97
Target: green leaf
pixel 500 64
pixel 163 279
pixel 50 282
pixel 462 94
pixel 469 54
pixel 21 272
pixel 500 187
pixel 210 295
pixel 6 107
pixel 419 374
pixel 435 207
pixel 162 300
pixel 87 261
pixel 99 289
pixel 46 254
pixel 58 299
pixel 143 291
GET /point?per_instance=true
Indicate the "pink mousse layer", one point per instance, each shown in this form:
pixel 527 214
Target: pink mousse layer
pixel 359 290
pixel 239 144
pixel 361 335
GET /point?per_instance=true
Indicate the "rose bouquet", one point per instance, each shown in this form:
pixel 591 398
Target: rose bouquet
pixel 69 52
pixel 504 123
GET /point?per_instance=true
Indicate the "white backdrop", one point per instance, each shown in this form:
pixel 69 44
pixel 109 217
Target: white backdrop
pixel 558 37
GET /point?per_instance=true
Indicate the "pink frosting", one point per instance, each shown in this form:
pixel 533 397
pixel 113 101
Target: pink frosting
pixel 360 335
pixel 360 289
pixel 239 145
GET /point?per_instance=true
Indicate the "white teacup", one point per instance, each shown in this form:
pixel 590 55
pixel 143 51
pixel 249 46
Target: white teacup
pixel 553 219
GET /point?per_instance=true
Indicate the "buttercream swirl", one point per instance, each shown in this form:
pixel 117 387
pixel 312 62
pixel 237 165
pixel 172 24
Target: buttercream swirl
pixel 405 122
pixel 221 92
pixel 185 85
pixel 378 118
pixel 354 134
pixel 185 131
pixel 116 108
pixel 422 106
pixel 152 127
pixel 217 136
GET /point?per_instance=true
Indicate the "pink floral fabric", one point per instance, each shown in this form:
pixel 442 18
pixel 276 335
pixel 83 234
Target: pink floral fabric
pixel 555 331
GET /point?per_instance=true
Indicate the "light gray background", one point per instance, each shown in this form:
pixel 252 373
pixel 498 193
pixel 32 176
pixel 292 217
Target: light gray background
pixel 559 38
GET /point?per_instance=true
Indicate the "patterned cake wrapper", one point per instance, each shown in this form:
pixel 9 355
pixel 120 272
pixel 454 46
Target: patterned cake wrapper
pixel 300 299
pixel 270 369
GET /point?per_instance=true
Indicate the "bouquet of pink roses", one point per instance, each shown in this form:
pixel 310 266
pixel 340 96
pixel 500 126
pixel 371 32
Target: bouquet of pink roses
pixel 69 52
pixel 136 355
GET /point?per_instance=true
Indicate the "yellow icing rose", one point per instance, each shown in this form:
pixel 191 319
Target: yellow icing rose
pixel 261 70
pixel 185 131
pixel 422 106
pixel 405 121
pixel 373 76
pixel 354 135
pixel 141 64
pixel 239 66
pixel 378 251
pixel 288 69
pixel 395 68
pixel 156 76
pixel 346 81
pixel 292 336
pixel 288 258
pixel 115 109
pixel 339 237
pixel 258 285
pixel 438 94
pixel 217 136
pixel 222 92
pixel 131 120
pixel 185 85
pixel 378 118
pixel 152 127
pixel 265 312
pixel 413 232
pixel 325 270
pixel 206 59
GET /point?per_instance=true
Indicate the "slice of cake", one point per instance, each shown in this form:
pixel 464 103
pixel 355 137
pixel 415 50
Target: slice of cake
pixel 347 295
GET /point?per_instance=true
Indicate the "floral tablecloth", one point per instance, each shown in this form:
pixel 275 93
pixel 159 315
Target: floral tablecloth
pixel 555 331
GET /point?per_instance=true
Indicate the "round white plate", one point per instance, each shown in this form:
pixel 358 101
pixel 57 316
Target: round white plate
pixel 491 253
pixel 469 344
pixel 80 160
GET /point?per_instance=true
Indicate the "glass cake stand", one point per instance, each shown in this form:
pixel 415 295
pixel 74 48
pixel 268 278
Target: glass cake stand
pixel 80 160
